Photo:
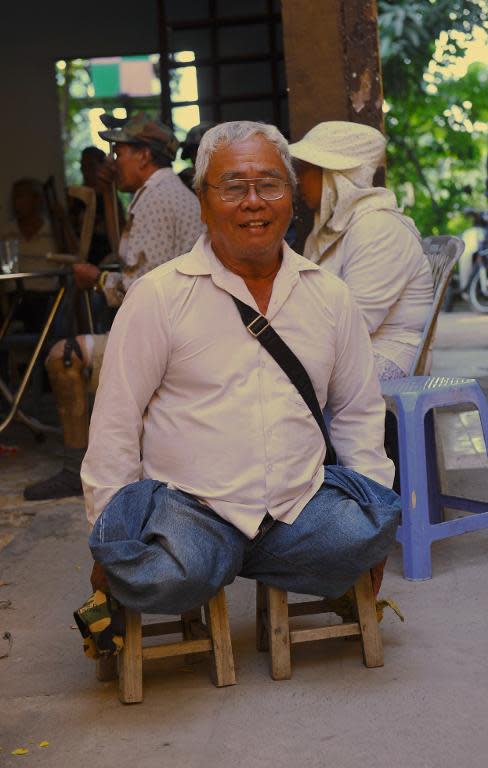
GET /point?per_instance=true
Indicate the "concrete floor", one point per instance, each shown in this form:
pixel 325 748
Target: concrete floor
pixel 426 708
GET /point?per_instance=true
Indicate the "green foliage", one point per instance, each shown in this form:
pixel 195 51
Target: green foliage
pixel 73 81
pixel 434 123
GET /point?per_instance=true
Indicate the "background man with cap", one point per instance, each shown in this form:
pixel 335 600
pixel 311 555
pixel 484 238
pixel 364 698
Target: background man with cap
pixel 189 151
pixel 163 222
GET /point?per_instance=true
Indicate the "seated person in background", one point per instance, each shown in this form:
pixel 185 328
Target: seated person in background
pixel 189 151
pixel 31 227
pixel 201 451
pixel 92 160
pixel 360 235
pixel 163 222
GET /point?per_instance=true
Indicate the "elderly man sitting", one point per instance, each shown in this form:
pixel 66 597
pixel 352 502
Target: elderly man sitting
pixel 204 461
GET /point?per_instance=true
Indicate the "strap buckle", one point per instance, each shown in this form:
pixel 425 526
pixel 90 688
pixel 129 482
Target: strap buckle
pixel 262 325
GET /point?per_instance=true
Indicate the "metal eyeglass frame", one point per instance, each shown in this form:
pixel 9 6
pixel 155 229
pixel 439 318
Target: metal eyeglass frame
pixel 250 183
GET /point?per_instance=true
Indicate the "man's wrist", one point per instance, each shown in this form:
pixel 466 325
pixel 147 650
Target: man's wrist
pixel 102 279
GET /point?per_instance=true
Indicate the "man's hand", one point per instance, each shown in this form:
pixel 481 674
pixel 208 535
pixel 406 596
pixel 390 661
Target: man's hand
pixel 86 275
pixel 106 174
pixel 98 578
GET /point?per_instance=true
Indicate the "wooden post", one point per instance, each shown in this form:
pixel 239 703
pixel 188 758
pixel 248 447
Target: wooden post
pixel 279 634
pixel 164 76
pixel 130 660
pixel 333 70
pixel 218 625
pixel 368 623
pixel 332 63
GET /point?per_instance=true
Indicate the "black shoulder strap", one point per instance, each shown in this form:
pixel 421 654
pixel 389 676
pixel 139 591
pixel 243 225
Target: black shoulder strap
pixel 258 326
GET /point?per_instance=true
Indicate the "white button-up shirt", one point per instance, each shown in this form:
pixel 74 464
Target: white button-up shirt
pixel 189 397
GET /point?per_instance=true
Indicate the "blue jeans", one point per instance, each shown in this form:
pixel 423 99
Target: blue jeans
pixel 164 552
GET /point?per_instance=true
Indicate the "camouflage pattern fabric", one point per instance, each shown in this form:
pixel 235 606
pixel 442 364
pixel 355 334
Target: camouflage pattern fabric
pixel 142 129
pixel 101 623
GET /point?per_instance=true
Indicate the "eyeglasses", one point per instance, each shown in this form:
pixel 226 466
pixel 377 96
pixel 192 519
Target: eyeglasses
pixel 236 190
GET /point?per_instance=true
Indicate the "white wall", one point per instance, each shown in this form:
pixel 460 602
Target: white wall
pixel 34 35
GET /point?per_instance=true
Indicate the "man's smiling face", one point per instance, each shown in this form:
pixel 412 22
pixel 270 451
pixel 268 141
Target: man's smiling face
pixel 250 230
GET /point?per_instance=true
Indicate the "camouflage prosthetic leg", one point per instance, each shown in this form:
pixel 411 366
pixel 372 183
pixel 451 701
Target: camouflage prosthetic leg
pixel 69 387
pixel 101 623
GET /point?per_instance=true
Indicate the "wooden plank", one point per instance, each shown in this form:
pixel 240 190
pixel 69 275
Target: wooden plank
pixel 370 631
pixel 279 634
pixel 218 625
pixel 130 660
pixel 176 649
pixel 262 641
pixel 324 633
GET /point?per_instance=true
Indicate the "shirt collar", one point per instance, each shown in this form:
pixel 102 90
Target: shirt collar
pixel 153 179
pixel 157 176
pixel 201 260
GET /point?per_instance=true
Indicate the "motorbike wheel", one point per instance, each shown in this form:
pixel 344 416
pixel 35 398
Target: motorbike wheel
pixel 449 298
pixel 477 299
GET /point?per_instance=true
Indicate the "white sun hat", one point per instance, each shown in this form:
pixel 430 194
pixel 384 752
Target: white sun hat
pixel 338 145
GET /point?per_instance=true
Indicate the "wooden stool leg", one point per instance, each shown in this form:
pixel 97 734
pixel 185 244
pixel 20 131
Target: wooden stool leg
pixel 370 631
pixel 106 668
pixel 130 660
pixel 262 640
pixel 218 625
pixel 279 633
pixel 193 629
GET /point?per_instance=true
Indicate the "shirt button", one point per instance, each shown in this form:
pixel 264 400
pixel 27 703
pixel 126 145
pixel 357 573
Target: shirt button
pixel 269 432
pixel 269 467
pixel 263 364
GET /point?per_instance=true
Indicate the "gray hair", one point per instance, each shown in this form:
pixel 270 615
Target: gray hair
pixel 232 132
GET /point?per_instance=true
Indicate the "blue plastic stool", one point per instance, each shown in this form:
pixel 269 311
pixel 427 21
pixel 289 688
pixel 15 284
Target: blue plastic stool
pixel 411 400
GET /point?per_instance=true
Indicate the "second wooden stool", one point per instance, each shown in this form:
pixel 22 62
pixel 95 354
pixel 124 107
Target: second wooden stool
pixel 273 631
pixel 198 637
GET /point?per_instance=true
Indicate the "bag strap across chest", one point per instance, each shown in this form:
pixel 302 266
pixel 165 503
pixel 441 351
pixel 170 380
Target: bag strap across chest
pixel 259 327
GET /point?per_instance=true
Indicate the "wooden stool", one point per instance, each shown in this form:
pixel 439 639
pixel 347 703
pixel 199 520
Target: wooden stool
pixel 198 637
pixel 273 630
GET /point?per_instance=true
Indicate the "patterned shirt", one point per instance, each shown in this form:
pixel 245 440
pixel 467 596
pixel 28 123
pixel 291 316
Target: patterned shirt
pixel 163 222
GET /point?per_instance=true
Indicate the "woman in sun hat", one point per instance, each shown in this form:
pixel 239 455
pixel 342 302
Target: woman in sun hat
pixel 360 235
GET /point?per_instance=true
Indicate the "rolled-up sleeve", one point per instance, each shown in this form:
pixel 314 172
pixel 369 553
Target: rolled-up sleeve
pixel 354 400
pixel 133 367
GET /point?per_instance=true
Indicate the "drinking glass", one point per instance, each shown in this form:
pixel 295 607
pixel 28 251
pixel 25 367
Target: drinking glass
pixel 9 255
